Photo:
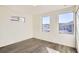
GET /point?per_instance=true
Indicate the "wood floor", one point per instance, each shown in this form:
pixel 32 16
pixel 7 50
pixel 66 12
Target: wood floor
pixel 34 45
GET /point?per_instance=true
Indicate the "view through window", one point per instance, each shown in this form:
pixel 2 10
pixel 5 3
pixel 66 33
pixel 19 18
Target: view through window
pixel 66 23
pixel 46 23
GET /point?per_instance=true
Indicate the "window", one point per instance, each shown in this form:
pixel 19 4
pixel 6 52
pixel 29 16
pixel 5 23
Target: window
pixel 46 23
pixel 66 23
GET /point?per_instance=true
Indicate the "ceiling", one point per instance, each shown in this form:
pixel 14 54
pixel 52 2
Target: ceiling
pixel 32 9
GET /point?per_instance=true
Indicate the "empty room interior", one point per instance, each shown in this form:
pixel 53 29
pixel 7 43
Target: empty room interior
pixel 39 29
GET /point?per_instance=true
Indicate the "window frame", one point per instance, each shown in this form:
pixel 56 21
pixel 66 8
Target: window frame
pixel 43 30
pixel 72 27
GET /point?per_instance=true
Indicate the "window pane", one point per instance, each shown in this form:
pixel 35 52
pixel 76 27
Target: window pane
pixel 46 23
pixel 66 24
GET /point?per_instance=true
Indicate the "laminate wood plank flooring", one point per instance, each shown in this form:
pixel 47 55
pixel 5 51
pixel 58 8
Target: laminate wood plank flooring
pixel 34 45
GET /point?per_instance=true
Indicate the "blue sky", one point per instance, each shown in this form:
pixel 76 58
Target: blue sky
pixel 65 18
pixel 46 19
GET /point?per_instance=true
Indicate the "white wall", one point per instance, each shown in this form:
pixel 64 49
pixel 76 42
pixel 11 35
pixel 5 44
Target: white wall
pixel 54 35
pixel 77 29
pixel 13 31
